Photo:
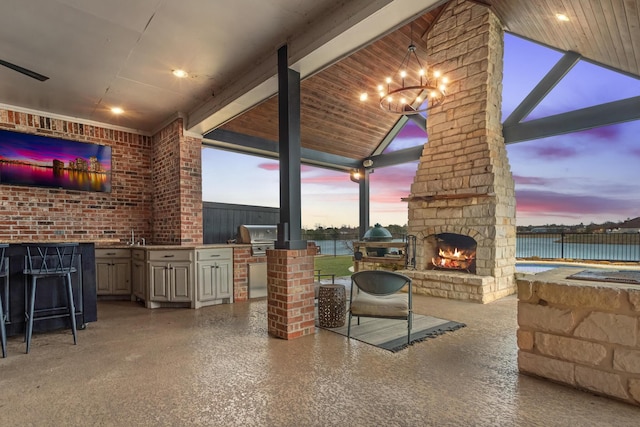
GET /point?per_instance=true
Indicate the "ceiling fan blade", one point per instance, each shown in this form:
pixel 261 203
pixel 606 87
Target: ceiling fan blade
pixel 24 71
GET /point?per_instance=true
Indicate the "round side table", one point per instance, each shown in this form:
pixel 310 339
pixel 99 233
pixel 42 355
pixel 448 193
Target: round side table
pixel 332 306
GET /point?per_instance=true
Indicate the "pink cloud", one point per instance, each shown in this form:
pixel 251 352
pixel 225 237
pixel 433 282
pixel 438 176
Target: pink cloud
pixel 530 180
pixel 607 133
pixel 269 166
pixel 555 152
pixel 548 202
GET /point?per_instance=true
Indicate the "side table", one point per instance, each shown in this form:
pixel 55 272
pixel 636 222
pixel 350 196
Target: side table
pixel 332 306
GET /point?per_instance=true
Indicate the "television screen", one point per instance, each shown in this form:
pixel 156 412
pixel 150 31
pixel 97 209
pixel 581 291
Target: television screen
pixel 42 161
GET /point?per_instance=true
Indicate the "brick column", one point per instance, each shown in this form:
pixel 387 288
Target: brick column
pixel 177 187
pixel 290 293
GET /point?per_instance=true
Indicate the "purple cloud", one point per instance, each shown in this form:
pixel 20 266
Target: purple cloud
pixel 531 180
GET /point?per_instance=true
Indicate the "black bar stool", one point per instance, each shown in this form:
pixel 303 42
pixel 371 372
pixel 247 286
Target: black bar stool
pixel 50 260
pixel 4 275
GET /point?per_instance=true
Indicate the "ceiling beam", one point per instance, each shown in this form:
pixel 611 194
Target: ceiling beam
pixel 390 136
pixel 341 32
pixel 247 144
pixel 542 89
pixel 396 157
pixel 611 113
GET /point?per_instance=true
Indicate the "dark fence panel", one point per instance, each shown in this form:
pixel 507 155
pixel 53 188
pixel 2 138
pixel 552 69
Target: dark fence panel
pixel 600 246
pixel 220 221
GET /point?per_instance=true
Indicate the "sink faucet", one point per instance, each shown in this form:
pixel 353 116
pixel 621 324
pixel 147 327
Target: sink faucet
pixel 143 241
pixel 133 238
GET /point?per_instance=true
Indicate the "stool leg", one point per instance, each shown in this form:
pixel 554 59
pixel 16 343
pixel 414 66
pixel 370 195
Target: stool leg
pixel 32 303
pixel 3 331
pixel 72 308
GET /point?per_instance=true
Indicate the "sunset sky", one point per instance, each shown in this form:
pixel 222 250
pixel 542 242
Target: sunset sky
pixel 584 177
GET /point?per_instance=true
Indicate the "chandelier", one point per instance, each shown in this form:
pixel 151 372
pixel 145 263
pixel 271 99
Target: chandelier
pixel 414 89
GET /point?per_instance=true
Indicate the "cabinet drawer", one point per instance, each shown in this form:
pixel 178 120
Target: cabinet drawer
pixel 137 254
pixel 171 255
pixel 113 253
pixel 214 254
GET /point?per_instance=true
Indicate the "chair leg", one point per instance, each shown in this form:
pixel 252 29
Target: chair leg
pixel 349 326
pixel 32 303
pixel 3 331
pixel 72 308
pixel 409 322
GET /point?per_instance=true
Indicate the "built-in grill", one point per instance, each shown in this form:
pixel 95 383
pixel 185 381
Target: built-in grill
pixel 260 237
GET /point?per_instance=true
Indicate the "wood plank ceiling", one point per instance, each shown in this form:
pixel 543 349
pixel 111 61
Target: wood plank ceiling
pixel 334 121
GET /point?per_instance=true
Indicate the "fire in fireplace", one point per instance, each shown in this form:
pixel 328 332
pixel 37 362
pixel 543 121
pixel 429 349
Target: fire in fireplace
pixel 454 252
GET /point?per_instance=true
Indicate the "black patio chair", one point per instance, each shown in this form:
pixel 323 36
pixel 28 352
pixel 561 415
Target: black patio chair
pixel 376 293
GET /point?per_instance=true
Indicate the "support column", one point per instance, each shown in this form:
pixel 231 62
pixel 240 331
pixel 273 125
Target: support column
pixel 290 300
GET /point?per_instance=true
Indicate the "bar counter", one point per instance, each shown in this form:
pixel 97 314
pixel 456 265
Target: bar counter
pixel 50 303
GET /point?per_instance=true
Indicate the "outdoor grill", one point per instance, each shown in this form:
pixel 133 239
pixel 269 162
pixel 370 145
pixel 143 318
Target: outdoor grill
pixel 260 237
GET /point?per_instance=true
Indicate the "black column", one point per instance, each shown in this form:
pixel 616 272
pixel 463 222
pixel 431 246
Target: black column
pixel 290 226
pixel 364 201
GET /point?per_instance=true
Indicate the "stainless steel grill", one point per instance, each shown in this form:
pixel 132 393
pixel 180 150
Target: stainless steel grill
pixel 260 237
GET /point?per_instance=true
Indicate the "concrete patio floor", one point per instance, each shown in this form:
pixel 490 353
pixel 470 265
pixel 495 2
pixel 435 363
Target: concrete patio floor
pixel 217 366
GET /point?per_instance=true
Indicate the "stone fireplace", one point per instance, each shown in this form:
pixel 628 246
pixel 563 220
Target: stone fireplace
pixel 463 192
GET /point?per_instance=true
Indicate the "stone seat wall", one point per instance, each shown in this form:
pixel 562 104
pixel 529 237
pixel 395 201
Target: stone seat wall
pixel 580 333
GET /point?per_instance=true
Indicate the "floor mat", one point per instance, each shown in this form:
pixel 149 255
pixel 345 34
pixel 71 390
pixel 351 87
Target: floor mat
pixel 391 334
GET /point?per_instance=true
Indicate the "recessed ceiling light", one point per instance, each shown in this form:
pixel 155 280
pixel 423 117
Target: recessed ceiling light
pixel 562 17
pixel 117 110
pixel 180 73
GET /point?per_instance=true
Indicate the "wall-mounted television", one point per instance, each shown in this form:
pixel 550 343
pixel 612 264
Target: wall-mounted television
pixel 42 161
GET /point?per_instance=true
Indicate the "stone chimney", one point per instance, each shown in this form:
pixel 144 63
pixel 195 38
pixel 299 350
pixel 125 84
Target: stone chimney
pixel 463 184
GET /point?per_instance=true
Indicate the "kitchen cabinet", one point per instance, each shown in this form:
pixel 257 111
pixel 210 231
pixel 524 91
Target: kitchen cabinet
pixel 214 284
pixel 139 274
pixel 170 278
pixel 113 272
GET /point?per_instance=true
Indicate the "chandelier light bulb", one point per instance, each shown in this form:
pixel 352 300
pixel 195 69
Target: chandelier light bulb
pixel 421 72
pixel 380 88
pixel 388 80
pixel 436 74
pixel 419 99
pixel 445 80
pixel 403 101
pixel 389 99
pixel 403 74
pixel 442 88
pixel 363 96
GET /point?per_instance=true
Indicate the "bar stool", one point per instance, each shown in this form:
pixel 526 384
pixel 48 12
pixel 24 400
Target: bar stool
pixel 4 275
pixel 50 260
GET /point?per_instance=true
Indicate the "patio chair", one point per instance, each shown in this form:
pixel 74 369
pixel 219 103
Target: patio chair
pixel 376 293
pixel 50 260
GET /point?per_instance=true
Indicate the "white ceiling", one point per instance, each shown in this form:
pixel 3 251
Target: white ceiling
pixel 104 53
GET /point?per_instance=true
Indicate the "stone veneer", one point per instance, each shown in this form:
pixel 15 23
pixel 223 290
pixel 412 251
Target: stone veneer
pixel 463 183
pixel 580 333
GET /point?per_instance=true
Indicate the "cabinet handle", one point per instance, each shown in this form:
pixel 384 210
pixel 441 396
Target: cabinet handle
pixel 111 253
pixel 213 256
pixel 169 256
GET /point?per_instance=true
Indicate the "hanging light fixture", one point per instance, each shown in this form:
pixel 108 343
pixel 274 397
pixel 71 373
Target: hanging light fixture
pixel 413 88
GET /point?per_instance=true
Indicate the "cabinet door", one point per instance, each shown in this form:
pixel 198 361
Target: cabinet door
pixel 138 279
pixel 158 282
pixel 224 282
pixel 206 281
pixel 180 289
pixel 121 277
pixel 103 277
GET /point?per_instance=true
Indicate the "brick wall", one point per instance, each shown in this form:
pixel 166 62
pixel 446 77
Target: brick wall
pixel 156 188
pixel 177 183
pixel 31 213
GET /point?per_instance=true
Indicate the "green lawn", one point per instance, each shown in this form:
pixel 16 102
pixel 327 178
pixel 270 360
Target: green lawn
pixel 338 265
